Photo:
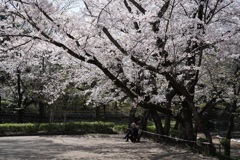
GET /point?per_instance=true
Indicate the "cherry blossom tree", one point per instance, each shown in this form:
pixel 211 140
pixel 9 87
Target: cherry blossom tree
pixel 223 82
pixel 152 50
pixel 37 79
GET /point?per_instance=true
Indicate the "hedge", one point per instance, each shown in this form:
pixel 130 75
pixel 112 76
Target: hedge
pixel 56 128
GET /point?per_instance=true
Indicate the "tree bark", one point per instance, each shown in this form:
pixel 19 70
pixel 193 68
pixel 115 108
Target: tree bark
pixel 188 130
pixel 97 113
pixel 41 112
pixel 0 102
pixel 20 98
pixel 157 122
pixel 227 148
pixel 143 122
pixel 132 117
pixel 169 97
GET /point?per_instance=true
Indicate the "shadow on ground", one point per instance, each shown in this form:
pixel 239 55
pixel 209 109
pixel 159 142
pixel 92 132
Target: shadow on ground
pixel 89 147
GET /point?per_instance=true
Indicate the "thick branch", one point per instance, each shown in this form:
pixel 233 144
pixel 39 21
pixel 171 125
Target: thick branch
pixel 210 105
pixel 136 26
pixel 87 7
pixel 158 108
pixel 163 9
pixel 110 37
pixel 178 87
pixel 127 6
pixel 116 81
pixel 139 7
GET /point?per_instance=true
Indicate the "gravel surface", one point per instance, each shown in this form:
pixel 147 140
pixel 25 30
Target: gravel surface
pixel 89 147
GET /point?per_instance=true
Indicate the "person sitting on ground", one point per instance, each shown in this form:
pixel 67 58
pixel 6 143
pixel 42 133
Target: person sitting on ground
pixel 132 133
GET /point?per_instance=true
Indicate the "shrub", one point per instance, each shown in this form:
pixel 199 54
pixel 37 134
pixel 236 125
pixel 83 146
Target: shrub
pixel 201 140
pixel 57 128
pixel 151 128
pixel 120 128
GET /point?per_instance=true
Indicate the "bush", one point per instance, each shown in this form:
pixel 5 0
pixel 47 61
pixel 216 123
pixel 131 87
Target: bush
pixel 57 128
pixel 151 128
pixel 175 133
pixel 120 128
pixel 201 140
pixel 226 145
pixel 18 128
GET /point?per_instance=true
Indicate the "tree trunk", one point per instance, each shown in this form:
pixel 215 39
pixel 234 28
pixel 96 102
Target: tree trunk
pixel 157 122
pixel 227 147
pixel 202 128
pixel 167 124
pixel 169 97
pixel 97 113
pixel 0 102
pixel 143 122
pixel 41 112
pixel 52 113
pixel 19 89
pixel 132 117
pixel 65 116
pixel 188 130
pixel 20 116
pixel 20 98
pixel 176 125
pixel 104 111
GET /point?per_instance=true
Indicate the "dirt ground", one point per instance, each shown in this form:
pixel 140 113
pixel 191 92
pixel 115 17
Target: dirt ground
pixel 88 147
pixel 235 146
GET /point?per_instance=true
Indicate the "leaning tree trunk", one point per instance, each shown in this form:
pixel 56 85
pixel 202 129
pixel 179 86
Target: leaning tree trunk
pixel 201 127
pixel 157 122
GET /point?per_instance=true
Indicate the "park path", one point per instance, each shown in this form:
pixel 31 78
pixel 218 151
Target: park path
pixel 88 147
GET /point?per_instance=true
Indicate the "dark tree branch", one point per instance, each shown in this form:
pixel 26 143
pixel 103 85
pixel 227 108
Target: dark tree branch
pixel 103 10
pixel 87 7
pixel 110 37
pixel 139 7
pixel 163 9
pixel 136 26
pixel 210 105
pixel 127 6
pixel 178 87
pixel 156 107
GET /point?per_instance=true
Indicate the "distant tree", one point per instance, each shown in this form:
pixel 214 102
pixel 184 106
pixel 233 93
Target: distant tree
pixel 224 83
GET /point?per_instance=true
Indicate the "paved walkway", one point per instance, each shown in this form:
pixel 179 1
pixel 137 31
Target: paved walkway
pixel 88 147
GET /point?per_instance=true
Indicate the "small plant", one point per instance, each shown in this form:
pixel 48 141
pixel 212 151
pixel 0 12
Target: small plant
pixel 151 128
pixel 120 128
pixel 225 142
pixel 174 133
pixel 202 140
